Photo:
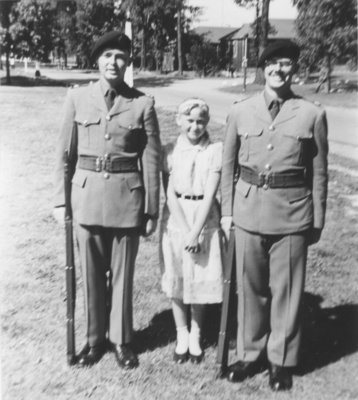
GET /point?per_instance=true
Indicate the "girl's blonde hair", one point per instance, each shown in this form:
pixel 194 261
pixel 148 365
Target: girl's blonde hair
pixel 194 102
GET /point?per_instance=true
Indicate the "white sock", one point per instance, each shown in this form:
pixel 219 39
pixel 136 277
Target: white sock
pixel 182 340
pixel 194 342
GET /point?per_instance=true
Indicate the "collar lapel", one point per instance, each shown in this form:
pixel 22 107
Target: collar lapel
pixel 261 109
pixel 288 111
pixel 97 97
pixel 121 105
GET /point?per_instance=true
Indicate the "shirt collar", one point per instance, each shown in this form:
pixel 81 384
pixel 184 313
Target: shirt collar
pixel 106 87
pixel 270 99
pixel 184 144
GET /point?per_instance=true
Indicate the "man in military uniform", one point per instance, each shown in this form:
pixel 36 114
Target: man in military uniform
pixel 277 143
pixel 115 146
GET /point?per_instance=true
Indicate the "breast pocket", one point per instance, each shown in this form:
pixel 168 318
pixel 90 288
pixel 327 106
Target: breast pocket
pixel 249 142
pixel 88 129
pixel 296 145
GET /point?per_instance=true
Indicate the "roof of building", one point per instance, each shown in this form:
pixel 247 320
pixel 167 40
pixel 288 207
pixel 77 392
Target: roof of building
pixel 283 29
pixel 215 33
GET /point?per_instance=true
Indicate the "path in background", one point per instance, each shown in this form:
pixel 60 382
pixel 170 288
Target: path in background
pixel 169 92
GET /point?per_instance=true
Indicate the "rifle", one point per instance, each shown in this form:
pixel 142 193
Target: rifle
pixel 229 284
pixel 70 266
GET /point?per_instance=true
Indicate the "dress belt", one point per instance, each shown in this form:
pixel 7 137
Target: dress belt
pixel 274 180
pixel 106 163
pixel 190 197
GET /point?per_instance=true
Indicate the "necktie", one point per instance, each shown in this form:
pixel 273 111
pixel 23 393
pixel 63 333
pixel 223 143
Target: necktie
pixel 110 98
pixel 275 108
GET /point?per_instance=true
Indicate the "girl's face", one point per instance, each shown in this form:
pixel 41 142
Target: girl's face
pixel 193 125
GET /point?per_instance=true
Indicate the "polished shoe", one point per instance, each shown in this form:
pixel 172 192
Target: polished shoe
pixel 180 358
pixel 90 355
pixel 280 378
pixel 242 370
pixel 125 356
pixel 196 359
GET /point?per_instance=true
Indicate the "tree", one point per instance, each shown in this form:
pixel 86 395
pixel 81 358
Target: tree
pixel 262 27
pixel 327 33
pixel 203 58
pixel 6 40
pixel 93 19
pixel 31 28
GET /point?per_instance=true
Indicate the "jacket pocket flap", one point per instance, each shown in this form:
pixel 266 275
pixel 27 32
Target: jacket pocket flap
pixel 297 194
pixel 248 131
pixel 134 182
pixel 87 120
pixel 79 178
pixel 243 187
pixel 299 135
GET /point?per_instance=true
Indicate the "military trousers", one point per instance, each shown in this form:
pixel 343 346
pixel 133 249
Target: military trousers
pixel 107 257
pixel 270 283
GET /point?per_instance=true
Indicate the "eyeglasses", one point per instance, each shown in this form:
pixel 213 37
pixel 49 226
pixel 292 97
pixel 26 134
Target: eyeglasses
pixel 280 62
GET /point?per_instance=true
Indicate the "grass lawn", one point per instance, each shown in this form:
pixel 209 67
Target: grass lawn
pixel 33 340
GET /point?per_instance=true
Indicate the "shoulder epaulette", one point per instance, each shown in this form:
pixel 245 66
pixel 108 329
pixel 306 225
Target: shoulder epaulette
pixel 241 100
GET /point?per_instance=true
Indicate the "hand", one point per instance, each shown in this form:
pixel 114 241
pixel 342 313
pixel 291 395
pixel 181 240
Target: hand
pixel 150 227
pixel 191 243
pixel 226 225
pixel 314 235
pixel 58 215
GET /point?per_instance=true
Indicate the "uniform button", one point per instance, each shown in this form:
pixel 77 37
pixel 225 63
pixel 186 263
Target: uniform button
pixel 108 117
pixel 106 175
pixel 130 126
pixel 270 146
pixel 85 122
pixel 107 136
pixel 246 135
pixel 271 128
pixel 265 186
pixel 267 167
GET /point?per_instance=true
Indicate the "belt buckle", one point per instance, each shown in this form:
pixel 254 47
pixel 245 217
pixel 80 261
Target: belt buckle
pixel 267 180
pixel 99 164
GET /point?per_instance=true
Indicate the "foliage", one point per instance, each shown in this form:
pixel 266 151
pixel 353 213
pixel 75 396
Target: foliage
pixel 93 19
pixel 203 58
pixel 327 31
pixel 31 28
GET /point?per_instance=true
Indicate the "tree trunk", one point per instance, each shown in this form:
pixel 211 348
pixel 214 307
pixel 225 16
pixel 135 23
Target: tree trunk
pixel 329 70
pixel 262 39
pixel 180 55
pixel 143 57
pixel 7 63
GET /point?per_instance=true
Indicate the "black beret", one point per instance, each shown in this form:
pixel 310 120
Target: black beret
pixel 279 48
pixel 114 39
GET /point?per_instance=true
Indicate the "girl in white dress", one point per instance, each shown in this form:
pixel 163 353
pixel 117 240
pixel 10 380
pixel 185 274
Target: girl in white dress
pixel 190 241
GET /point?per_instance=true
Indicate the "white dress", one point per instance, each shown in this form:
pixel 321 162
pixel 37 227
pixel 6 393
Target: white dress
pixel 193 278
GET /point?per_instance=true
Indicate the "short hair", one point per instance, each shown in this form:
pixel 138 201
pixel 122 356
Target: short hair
pixel 188 105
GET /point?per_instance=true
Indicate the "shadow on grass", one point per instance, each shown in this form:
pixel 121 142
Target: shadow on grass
pixel 25 81
pixel 328 333
pixel 161 330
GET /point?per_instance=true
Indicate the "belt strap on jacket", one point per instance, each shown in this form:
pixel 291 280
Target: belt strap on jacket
pixel 273 180
pixel 106 163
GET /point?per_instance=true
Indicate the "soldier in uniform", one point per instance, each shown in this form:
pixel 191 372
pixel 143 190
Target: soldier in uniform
pixel 112 132
pixel 276 142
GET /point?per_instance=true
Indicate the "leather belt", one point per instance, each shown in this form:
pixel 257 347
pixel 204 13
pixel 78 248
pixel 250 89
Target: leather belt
pixel 274 180
pixel 190 197
pixel 106 163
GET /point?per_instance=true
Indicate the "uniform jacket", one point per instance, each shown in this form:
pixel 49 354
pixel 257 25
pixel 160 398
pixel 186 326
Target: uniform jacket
pixel 295 140
pixel 130 130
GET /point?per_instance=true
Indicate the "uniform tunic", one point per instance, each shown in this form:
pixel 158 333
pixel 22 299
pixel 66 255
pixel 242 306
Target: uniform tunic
pixel 109 207
pixel 271 223
pixel 193 278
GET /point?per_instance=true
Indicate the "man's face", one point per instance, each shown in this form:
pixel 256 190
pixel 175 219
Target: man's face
pixel 112 64
pixel 278 72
